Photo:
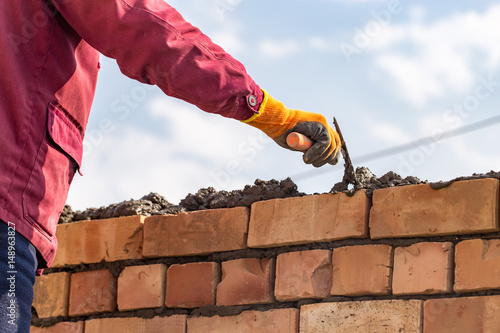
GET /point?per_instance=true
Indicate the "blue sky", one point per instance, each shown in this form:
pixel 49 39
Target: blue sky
pixel 390 71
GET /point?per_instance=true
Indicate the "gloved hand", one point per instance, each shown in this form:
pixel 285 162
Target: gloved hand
pixel 277 121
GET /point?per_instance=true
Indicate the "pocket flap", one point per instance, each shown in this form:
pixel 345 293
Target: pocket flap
pixel 65 134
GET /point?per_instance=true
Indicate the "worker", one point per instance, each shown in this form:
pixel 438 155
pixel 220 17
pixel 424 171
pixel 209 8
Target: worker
pixel 49 61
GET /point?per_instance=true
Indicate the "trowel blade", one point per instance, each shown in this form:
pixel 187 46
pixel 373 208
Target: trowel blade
pixel 349 175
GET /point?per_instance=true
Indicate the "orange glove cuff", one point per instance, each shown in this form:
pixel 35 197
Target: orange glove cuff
pixel 275 119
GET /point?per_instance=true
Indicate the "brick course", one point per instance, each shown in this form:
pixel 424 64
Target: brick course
pixel 92 241
pixel 275 321
pixel 464 314
pixel 141 287
pixel 192 285
pixel 246 281
pixel 62 327
pixel 92 292
pixel 463 207
pixel 477 265
pixel 171 324
pixel 195 233
pixel 303 274
pixel 51 295
pixel 315 218
pixel 423 268
pixel 362 270
pixel 362 317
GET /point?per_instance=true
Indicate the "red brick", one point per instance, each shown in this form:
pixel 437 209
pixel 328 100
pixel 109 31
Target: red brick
pixel 195 233
pixel 51 295
pixel 477 265
pixel 366 316
pixel 275 321
pixel 172 324
pixel 191 285
pixel 303 274
pixel 245 281
pixel 423 268
pixel 362 270
pixel 463 207
pixel 463 314
pixel 141 287
pixel 92 292
pixel 314 218
pixel 63 327
pixel 93 241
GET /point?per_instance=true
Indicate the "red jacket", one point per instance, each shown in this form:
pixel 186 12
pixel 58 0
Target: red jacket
pixel 49 59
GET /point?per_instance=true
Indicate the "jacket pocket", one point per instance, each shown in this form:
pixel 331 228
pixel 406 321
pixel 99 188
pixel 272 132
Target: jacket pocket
pixel 58 158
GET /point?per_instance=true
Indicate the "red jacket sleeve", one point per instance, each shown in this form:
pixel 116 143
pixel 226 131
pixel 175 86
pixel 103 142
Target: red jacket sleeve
pixel 152 43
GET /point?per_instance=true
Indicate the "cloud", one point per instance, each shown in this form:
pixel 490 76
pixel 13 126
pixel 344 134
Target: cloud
pixel 434 123
pixel 431 60
pixel 416 84
pixel 195 133
pixel 351 1
pixel 131 164
pixel 229 40
pixel 469 155
pixel 387 134
pixel 195 150
pixel 279 49
pixel 218 19
pixel 320 44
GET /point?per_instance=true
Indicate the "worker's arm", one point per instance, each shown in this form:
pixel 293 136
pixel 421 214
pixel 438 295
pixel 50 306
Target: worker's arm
pixel 152 43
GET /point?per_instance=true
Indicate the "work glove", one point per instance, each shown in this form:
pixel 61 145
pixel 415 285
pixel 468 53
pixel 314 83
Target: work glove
pixel 277 121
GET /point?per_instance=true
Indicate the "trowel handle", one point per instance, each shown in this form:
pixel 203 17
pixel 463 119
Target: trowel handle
pixel 298 141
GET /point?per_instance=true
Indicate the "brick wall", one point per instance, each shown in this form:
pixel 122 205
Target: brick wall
pixel 407 259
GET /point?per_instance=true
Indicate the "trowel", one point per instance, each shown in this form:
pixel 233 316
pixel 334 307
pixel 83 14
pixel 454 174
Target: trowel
pixel 301 142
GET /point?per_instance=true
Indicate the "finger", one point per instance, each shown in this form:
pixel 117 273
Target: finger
pixel 324 158
pixel 319 159
pixel 319 150
pixel 319 164
pixel 328 153
pixel 335 159
pixel 332 159
pixel 325 143
pixel 330 156
pixel 335 156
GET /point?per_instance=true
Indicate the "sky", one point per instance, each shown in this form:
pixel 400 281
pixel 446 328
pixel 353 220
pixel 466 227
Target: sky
pixel 391 72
